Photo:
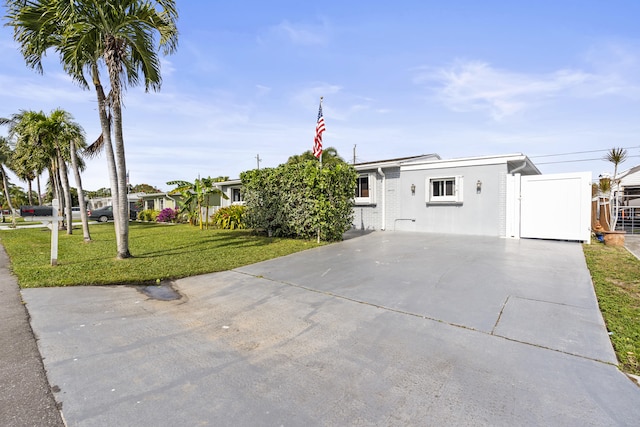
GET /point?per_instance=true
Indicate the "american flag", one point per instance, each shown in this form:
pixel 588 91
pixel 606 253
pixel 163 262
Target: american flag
pixel 317 142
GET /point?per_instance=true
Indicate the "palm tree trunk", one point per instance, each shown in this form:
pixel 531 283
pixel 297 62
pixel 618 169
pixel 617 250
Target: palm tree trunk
pixel 5 187
pixel 81 201
pixel 66 191
pixel 123 208
pixel 108 147
pixel 39 190
pixel 29 195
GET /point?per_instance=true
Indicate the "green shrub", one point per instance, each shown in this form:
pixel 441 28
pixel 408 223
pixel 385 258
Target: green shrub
pixel 148 215
pixel 300 199
pixel 229 218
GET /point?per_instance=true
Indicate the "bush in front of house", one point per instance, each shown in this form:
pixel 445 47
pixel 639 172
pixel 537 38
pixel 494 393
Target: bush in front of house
pixel 300 199
pixel 148 215
pixel 229 218
pixel 167 215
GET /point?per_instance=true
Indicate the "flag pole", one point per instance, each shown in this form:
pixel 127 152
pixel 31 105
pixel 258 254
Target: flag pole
pixel 319 132
pixel 321 98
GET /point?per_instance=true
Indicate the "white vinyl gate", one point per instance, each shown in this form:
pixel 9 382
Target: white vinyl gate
pixel 556 206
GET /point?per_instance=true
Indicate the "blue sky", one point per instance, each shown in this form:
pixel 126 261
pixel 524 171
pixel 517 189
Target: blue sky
pixel 457 78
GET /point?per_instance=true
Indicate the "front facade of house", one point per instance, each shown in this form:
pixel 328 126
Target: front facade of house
pixel 428 194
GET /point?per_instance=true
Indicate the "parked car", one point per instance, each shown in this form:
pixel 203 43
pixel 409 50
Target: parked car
pixel 106 214
pixel 101 214
pixel 75 212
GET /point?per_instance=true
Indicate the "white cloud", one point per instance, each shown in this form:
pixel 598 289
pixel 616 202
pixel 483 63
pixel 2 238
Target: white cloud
pixel 311 95
pixel 301 34
pixel 476 86
pixel 262 90
pixel 167 67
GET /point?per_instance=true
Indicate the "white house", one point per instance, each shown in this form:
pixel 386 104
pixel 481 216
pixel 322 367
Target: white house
pixel 503 195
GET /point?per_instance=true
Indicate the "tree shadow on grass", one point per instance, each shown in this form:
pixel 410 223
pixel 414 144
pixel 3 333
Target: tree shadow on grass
pixel 208 245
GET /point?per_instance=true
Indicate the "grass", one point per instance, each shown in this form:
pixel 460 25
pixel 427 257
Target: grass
pixel 616 278
pixel 160 252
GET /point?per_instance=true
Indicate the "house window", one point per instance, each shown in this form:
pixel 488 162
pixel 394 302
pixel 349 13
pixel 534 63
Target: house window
pixel 445 189
pixel 362 188
pixel 365 189
pixel 236 197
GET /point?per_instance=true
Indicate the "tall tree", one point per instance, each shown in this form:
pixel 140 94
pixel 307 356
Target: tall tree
pixel 5 159
pixel 67 138
pixel 145 188
pixel 120 35
pixel 31 157
pixel 329 157
pixel 615 156
pixel 48 140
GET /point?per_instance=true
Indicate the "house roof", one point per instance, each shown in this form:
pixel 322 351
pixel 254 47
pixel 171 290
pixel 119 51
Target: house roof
pixel 229 182
pixel 630 177
pixel 516 163
pixel 395 162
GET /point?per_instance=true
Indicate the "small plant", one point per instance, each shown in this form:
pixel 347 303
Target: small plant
pixel 229 218
pixel 148 215
pixel 167 215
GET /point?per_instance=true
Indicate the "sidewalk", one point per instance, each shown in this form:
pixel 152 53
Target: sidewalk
pixel 25 395
pixel 632 243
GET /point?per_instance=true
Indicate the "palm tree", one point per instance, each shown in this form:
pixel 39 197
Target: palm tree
pixel 119 34
pixel 29 160
pixel 196 195
pixel 30 156
pixel 615 156
pixel 50 142
pixel 5 159
pixel 67 138
pixel 188 199
pixel 329 157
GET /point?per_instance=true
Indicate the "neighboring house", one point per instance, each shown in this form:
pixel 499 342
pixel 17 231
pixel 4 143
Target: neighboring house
pixel 232 189
pixel 158 201
pixel 630 187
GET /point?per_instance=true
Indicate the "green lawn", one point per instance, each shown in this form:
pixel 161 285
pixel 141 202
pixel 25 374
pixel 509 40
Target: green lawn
pixel 160 252
pixel 616 278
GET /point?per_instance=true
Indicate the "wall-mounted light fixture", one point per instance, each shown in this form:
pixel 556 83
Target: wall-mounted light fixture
pixel 479 187
pixel 413 189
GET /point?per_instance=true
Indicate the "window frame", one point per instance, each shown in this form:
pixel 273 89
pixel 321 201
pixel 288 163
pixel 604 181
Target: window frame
pixel 370 199
pixel 456 197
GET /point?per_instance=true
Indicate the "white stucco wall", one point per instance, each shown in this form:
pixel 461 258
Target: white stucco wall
pixel 480 213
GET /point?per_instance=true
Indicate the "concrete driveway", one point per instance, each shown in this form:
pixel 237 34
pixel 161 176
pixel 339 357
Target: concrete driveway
pixel 383 329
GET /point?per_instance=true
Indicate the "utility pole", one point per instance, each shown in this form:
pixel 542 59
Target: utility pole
pixel 258 159
pixel 354 154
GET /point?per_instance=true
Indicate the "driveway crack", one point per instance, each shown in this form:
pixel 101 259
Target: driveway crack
pixel 500 315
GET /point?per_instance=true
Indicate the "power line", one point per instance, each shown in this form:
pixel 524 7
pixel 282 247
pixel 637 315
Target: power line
pixel 573 161
pixel 580 152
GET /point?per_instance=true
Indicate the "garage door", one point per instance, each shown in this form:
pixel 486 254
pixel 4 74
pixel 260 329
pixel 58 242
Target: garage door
pixel 554 206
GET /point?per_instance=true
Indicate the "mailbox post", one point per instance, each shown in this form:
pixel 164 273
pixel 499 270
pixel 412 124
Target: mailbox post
pixel 54 232
pixel 46 215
